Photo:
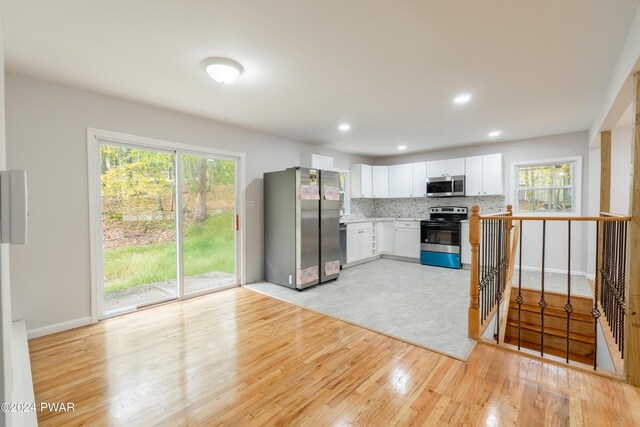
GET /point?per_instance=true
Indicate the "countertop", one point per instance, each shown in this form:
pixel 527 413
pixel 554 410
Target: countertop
pixel 355 220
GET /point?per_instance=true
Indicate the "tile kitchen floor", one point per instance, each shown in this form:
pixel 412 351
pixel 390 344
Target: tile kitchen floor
pixel 419 304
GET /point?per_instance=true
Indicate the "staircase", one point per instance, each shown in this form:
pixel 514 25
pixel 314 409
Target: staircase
pixel 581 325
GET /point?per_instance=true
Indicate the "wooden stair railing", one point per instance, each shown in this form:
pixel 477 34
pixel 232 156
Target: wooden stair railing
pixel 558 324
pixel 490 266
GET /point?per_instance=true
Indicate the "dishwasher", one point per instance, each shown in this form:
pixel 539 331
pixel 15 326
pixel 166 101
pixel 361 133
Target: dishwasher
pixel 343 244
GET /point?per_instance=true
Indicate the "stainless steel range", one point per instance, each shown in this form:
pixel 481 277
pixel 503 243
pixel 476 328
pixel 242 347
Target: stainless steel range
pixel 440 236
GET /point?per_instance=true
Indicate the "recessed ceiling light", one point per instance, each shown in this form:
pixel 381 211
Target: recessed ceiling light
pixel 223 70
pixel 463 98
pixel 495 133
pixel 402 147
pixel 344 127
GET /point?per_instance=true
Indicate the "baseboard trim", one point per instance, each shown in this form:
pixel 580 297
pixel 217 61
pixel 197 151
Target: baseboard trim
pixel 381 255
pixel 58 327
pixel 22 381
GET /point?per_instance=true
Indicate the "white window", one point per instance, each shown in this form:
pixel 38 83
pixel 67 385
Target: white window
pixel 345 197
pixel 547 186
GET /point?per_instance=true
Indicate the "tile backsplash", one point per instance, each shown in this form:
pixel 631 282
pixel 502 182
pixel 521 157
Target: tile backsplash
pixel 419 207
pixel 361 208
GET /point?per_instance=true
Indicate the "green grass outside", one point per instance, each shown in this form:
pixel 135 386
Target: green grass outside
pixel 208 246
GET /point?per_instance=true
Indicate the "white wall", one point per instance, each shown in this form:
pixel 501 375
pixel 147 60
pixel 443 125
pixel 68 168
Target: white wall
pixel 621 138
pixel 5 291
pixel 46 134
pixel 549 147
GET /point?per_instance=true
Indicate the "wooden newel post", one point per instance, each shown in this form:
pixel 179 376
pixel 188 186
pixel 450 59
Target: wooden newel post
pixel 508 227
pixel 474 240
pixel 632 320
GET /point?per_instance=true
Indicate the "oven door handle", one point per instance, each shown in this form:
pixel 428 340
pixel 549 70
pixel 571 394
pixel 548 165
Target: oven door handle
pixel 441 227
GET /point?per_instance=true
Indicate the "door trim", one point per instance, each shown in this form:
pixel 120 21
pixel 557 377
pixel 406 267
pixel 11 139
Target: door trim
pixel 94 136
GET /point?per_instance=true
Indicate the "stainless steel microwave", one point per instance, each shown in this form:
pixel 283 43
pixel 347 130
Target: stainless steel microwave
pixel 446 186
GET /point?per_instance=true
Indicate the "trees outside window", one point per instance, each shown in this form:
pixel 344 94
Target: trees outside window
pixel 547 186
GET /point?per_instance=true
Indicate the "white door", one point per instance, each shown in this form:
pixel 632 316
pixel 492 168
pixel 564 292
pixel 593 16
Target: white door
pixel 473 182
pixel 353 245
pixel 436 169
pixel 366 243
pixel 384 237
pixel 454 167
pixel 400 180
pixel 407 242
pixel 380 182
pixel 492 175
pixel 419 180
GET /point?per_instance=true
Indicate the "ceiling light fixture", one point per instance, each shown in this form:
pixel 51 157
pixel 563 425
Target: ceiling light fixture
pixel 223 70
pixel 344 127
pixel 463 98
pixel 495 133
pixel 402 147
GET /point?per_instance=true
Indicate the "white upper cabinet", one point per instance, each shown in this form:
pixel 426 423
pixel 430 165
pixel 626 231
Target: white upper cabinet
pixel 380 182
pixel 435 169
pixel 449 167
pixel 408 180
pixel 473 181
pixel 419 180
pixel 401 181
pixel 316 161
pixel 361 181
pixel 492 181
pixel 454 167
pixel 484 175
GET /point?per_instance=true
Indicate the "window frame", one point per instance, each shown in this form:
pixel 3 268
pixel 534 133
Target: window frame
pixel 576 185
pixel 347 190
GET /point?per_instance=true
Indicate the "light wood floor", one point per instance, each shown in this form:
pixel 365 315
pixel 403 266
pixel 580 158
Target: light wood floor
pixel 241 358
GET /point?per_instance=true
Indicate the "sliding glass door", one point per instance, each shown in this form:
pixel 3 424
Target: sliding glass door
pixel 138 226
pixel 209 223
pixel 168 225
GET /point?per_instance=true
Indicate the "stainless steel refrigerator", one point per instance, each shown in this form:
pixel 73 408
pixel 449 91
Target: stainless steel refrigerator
pixel 301 227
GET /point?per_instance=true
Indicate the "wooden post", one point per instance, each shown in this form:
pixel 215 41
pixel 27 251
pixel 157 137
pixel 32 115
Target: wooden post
pixel 632 320
pixel 605 191
pixel 508 227
pixel 605 171
pixel 474 240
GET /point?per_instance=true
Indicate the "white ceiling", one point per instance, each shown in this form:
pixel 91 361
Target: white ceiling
pixel 390 68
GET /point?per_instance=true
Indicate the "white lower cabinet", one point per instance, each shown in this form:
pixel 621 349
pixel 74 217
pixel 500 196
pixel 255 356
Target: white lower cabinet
pixel 401 238
pixel 359 241
pixel 406 239
pixel 384 237
pixel 465 247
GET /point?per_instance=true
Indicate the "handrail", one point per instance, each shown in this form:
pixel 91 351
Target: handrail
pixel 501 214
pixel 614 215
